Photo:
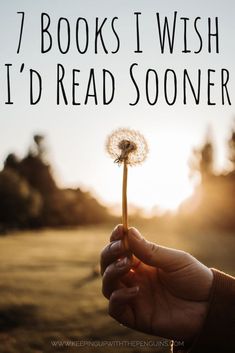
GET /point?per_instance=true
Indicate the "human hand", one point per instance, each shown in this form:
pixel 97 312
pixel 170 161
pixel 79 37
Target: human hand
pixel 159 291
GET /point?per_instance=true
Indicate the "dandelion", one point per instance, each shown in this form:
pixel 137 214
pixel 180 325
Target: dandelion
pixel 127 147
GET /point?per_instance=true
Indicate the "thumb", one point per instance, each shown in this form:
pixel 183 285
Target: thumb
pixel 155 255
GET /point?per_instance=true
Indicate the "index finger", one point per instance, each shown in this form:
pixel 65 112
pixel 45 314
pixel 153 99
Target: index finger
pixel 111 253
pixel 117 233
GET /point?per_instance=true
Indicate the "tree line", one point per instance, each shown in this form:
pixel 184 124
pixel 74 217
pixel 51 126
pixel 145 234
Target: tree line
pixel 212 203
pixel 30 198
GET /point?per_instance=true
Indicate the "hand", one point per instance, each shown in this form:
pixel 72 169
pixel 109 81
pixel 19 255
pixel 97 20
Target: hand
pixel 158 290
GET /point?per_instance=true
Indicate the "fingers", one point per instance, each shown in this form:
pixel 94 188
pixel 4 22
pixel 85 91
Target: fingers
pixel 150 253
pixel 118 305
pixel 114 250
pixel 112 275
pixel 155 255
pixel 111 253
pixel 117 233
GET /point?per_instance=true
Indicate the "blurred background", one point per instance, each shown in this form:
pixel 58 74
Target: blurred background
pixel 60 193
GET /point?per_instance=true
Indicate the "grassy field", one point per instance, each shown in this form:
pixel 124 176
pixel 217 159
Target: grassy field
pixel 50 291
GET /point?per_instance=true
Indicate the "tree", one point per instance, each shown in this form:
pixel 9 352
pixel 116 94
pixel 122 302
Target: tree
pixel 11 161
pixel 29 194
pixel 231 146
pixel 40 146
pixel 202 160
pixel 20 203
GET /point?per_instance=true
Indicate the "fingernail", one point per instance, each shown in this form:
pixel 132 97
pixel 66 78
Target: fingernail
pixel 116 228
pixel 118 232
pixel 122 262
pixel 135 233
pixel 116 246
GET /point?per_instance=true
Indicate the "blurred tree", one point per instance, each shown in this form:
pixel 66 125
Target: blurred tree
pixel 212 203
pixel 20 203
pixel 29 194
pixel 11 161
pixel 40 148
pixel 37 173
pixel 231 146
pixel 202 160
pixel 73 207
pixel 207 160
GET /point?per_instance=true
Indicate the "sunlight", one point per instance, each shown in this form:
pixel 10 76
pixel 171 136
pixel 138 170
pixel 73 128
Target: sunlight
pixel 171 183
pixel 166 188
pixel 162 182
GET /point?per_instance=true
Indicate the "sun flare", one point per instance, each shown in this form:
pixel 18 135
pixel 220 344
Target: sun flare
pixel 162 183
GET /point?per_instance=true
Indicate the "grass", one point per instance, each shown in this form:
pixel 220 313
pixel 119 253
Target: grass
pixel 50 289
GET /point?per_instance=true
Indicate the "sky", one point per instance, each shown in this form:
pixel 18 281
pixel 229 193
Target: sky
pixel 76 135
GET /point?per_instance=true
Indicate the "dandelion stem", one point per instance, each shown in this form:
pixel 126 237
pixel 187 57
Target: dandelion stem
pixel 124 203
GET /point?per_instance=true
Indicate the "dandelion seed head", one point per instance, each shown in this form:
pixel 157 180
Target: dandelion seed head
pixel 127 145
